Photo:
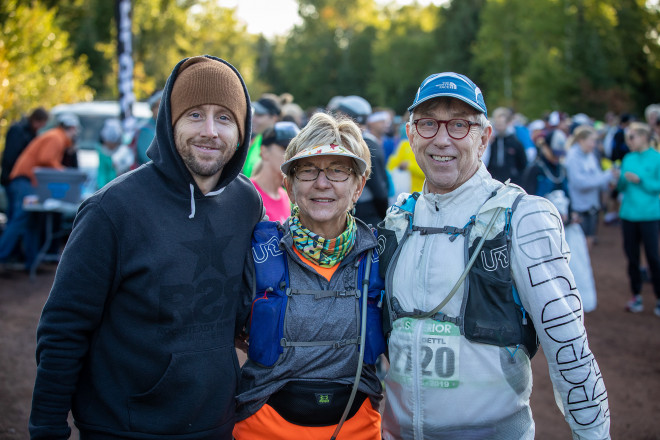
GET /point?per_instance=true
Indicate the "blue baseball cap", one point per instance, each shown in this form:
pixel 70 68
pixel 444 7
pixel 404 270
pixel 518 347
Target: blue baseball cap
pixel 451 85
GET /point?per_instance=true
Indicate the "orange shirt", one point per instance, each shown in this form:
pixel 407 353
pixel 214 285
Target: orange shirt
pixel 46 150
pixel 267 424
pixel 325 272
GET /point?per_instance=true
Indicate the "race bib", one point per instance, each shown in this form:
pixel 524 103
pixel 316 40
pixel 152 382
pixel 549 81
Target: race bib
pixel 436 357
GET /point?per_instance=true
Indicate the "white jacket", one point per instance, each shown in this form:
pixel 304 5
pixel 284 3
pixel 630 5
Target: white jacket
pixel 442 386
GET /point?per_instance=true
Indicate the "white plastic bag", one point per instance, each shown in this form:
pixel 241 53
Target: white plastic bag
pixel 401 180
pixel 122 159
pixel 580 265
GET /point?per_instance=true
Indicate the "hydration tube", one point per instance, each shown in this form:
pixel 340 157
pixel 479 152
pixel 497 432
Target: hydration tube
pixel 363 331
pixel 465 271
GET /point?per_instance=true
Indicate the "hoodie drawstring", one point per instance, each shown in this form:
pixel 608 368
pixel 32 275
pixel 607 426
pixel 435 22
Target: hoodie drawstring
pixel 192 201
pixel 192 198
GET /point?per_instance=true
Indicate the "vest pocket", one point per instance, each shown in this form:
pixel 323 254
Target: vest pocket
pixel 267 329
pixel 374 340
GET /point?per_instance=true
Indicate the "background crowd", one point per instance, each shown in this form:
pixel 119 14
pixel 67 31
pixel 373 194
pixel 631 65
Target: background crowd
pixel 575 161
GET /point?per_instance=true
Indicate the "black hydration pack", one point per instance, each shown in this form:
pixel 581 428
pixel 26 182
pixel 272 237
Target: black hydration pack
pixel 491 312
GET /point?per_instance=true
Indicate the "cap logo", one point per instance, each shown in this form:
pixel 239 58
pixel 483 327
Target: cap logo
pixel 453 85
pixel 447 85
pixel 477 92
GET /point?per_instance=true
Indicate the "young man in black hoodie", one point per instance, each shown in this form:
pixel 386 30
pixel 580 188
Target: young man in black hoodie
pixel 137 335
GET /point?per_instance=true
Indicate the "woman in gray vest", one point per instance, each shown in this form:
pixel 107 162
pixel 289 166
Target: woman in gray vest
pixel 310 363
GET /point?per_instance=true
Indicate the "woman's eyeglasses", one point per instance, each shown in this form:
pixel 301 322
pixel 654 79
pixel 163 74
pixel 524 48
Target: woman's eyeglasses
pixel 334 173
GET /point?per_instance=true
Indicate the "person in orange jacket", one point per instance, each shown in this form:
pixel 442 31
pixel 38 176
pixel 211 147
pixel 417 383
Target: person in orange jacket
pixel 45 151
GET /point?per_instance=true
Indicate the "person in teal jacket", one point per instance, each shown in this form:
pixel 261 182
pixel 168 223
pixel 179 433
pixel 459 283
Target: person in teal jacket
pixel 145 134
pixel 110 139
pixel 639 184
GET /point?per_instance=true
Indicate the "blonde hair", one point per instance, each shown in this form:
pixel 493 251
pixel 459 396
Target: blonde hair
pixel 640 128
pixel 580 133
pixel 294 111
pixel 324 129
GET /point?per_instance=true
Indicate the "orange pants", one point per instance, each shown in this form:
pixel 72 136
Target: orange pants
pixel 267 424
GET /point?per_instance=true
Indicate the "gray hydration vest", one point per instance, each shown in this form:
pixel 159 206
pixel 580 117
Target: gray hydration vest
pixel 274 297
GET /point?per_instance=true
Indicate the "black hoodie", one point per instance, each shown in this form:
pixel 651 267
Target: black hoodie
pixel 137 335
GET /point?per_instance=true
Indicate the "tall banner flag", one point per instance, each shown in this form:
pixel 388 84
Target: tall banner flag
pixel 125 59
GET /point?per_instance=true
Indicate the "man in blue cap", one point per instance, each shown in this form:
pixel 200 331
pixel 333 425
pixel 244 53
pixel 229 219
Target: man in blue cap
pixel 476 276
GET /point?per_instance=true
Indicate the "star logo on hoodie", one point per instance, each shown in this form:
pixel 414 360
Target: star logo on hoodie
pixel 207 248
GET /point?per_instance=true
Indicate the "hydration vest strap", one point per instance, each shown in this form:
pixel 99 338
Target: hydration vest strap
pixel 458 320
pixel 335 344
pixel 318 294
pixel 509 213
pixel 400 313
pixel 453 231
pixel 361 341
pixel 465 271
pixel 507 228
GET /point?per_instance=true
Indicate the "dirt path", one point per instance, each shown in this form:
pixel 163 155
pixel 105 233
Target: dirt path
pixel 626 346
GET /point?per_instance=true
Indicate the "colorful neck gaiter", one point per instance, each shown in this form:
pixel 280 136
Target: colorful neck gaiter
pixel 320 251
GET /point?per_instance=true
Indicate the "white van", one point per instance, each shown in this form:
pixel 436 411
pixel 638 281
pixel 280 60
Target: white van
pixel 92 116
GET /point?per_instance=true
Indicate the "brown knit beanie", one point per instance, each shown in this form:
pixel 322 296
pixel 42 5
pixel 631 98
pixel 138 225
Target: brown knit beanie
pixel 204 80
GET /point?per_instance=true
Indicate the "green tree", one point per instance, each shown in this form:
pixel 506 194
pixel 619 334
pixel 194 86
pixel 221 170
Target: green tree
pixel 156 47
pixel 404 54
pixel 160 40
pixel 164 32
pixel 637 29
pixel 572 55
pixel 266 75
pixel 90 28
pixel 330 53
pixel 600 57
pixel 519 54
pixel 456 35
pixel 37 63
pixel 229 39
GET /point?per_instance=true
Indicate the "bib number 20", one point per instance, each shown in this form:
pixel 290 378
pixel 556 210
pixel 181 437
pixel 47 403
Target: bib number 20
pixel 438 366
